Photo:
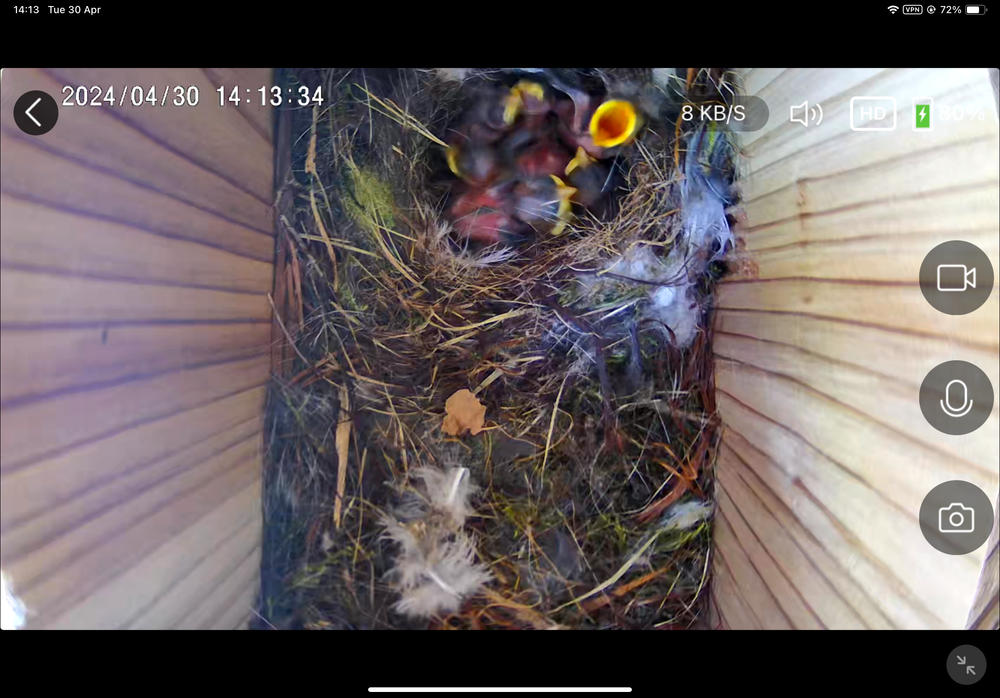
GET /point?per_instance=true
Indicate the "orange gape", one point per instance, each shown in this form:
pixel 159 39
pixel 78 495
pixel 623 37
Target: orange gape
pixel 613 123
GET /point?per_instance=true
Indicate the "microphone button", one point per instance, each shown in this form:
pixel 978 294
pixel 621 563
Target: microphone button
pixel 956 397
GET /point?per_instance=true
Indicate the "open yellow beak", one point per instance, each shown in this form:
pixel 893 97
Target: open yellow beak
pixel 515 99
pixel 582 159
pixel 614 122
pixel 565 194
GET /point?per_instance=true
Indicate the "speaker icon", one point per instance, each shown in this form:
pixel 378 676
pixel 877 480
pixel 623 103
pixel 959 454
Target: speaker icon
pixel 804 114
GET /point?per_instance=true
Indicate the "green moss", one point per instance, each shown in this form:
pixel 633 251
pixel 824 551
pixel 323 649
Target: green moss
pixel 371 202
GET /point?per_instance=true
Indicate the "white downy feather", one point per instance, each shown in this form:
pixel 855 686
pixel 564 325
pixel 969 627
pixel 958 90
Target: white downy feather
pixel 435 566
pixel 668 300
pixel 687 514
pixel 440 580
pixel 12 611
pixel 453 74
pixel 448 491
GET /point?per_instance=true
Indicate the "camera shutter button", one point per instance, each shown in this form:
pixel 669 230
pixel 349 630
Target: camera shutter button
pixel 956 517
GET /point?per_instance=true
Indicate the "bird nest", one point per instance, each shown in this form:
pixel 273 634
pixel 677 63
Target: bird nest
pixel 469 436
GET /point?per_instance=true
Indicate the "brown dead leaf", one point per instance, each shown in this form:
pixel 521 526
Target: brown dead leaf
pixel 463 412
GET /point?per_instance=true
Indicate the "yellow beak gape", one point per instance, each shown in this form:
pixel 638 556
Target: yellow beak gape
pixel 565 193
pixel 451 155
pixel 581 160
pixel 613 123
pixel 526 87
pixel 515 99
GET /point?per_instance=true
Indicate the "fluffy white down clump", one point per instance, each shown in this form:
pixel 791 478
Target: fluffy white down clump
pixel 435 567
pixel 669 302
pixel 687 514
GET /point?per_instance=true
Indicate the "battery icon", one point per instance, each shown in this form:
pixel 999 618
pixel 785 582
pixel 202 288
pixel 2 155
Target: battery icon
pixel 922 109
pixel 975 9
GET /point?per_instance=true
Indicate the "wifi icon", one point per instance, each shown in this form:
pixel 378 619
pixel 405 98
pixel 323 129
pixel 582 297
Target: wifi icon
pixel 893 9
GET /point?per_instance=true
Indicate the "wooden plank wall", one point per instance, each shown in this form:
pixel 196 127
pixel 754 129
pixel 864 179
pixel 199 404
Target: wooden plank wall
pixel 822 341
pixel 135 257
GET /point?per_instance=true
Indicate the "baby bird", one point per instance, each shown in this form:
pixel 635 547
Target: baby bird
pixel 490 227
pixel 542 157
pixel 474 198
pixel 526 98
pixel 543 203
pixel 589 177
pixel 476 163
pixel 601 128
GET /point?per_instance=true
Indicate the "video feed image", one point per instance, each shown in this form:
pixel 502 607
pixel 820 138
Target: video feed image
pixel 500 349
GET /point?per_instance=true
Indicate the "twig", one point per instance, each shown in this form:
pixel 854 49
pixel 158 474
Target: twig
pixel 343 440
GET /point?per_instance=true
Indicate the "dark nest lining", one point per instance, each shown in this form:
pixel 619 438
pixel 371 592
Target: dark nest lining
pixel 597 428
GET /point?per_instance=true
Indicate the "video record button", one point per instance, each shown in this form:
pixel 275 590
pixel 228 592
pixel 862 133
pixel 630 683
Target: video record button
pixel 956 277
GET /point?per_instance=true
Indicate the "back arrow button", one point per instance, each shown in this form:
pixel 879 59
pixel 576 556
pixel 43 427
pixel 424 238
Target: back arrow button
pixel 35 112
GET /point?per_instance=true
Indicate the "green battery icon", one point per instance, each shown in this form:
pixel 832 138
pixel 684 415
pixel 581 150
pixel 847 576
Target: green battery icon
pixel 922 114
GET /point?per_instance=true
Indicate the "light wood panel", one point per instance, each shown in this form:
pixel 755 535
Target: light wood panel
pixel 262 118
pixel 822 340
pixel 205 572
pixel 985 611
pixel 44 298
pixel 115 602
pixel 40 362
pixel 105 139
pixel 93 414
pixel 55 241
pixel 76 484
pixel 136 255
pixel 47 560
pixel 227 144
pixel 33 173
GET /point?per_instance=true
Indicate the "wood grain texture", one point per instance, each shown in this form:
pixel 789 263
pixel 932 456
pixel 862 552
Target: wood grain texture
pixel 45 298
pixel 234 583
pixel 41 525
pixel 814 603
pixel 46 560
pixel 753 590
pixel 765 480
pixel 135 262
pixel 731 611
pixel 30 172
pixel 41 362
pixel 99 566
pixel 45 239
pixel 113 603
pixel 822 340
pixel 101 138
pixel 262 118
pixel 205 572
pixel 224 143
pixel 94 414
pixel 985 612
